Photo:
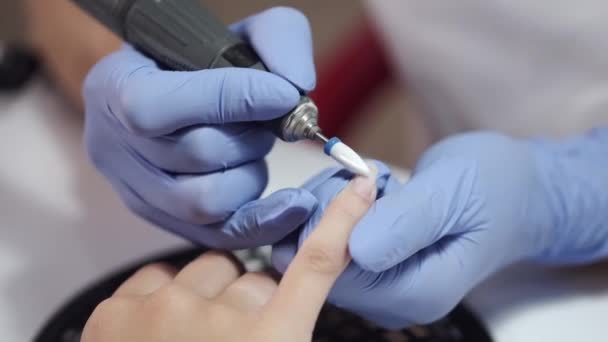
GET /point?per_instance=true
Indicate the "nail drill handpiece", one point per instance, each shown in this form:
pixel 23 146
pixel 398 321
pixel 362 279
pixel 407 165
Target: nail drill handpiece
pixel 183 35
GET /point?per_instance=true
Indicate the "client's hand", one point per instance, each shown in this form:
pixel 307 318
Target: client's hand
pixel 209 300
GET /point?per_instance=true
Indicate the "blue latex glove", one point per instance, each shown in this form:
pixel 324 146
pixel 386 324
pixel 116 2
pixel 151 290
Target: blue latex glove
pixel 475 203
pixel 179 147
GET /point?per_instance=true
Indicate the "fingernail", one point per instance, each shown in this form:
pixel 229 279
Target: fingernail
pixel 365 187
pixel 373 169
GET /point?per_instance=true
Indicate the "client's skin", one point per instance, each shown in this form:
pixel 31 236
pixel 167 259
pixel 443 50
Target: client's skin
pixel 68 41
pixel 212 300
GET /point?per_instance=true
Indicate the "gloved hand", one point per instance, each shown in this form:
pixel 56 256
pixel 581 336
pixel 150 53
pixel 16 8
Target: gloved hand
pixel 179 147
pixel 474 203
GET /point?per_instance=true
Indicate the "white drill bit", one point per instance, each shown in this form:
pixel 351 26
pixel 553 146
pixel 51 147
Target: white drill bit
pixel 345 155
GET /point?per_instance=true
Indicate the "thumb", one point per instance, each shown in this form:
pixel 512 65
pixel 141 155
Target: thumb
pixel 424 211
pixel 152 102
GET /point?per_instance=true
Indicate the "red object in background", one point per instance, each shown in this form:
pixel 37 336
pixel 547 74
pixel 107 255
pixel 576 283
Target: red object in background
pixel 355 69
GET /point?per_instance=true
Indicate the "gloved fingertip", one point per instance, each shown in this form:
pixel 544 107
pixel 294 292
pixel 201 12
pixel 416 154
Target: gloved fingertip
pixel 271 219
pixel 388 234
pixel 367 246
pixel 304 77
pixel 288 206
pixel 365 254
pixel 284 251
pixel 305 80
pixel 282 38
pixel 282 254
pixel 265 96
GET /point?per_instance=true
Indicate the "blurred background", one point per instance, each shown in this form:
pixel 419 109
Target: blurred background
pixel 385 126
pixel 540 67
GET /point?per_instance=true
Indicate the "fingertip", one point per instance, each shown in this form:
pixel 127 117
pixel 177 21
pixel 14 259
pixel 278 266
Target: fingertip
pixel 308 198
pixel 378 241
pixel 203 199
pixel 364 187
pixel 389 235
pixel 367 252
pixel 282 38
pixel 283 252
pixel 253 95
pixel 289 207
pixel 279 258
pixel 206 149
pixel 305 80
pixel 269 220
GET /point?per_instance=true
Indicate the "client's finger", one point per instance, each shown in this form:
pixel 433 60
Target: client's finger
pixel 210 273
pixel 250 292
pixel 147 280
pixel 321 258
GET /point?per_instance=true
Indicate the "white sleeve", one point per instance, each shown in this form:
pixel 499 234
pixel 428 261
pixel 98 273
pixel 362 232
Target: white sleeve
pixel 522 67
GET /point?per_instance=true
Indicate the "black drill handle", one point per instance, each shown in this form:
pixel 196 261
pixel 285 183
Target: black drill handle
pixel 179 34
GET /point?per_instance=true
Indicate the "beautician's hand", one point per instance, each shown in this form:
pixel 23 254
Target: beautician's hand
pixel 179 147
pixel 209 300
pixel 475 203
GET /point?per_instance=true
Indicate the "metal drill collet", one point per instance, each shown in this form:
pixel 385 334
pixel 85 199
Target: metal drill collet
pixel 301 123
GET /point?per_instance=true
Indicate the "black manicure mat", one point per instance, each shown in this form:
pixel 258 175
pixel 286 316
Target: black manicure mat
pixel 334 324
pixel 17 65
